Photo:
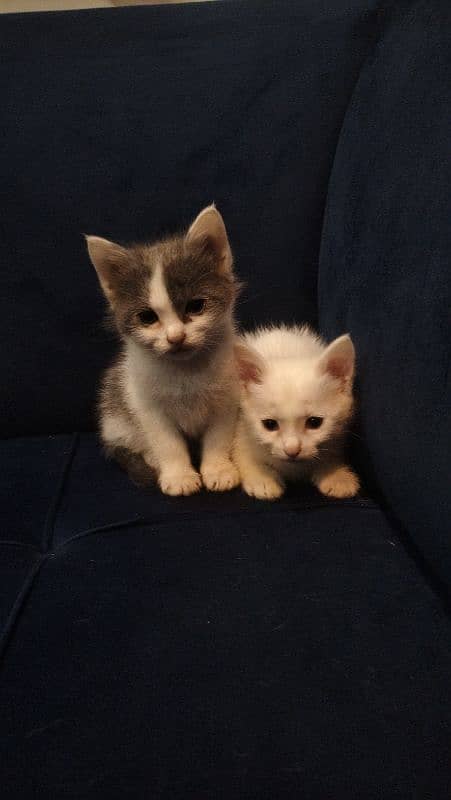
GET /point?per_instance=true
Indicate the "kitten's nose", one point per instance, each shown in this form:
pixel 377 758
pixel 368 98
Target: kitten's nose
pixel 175 334
pixel 292 449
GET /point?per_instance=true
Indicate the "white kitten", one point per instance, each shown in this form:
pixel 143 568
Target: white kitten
pixel 296 401
pixel 172 305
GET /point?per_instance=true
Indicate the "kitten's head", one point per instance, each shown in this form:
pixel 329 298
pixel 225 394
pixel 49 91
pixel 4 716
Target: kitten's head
pixel 174 297
pixel 296 407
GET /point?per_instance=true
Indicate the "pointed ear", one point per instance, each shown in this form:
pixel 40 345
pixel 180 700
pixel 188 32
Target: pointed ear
pixel 249 363
pixel 338 360
pixel 107 258
pixel 208 231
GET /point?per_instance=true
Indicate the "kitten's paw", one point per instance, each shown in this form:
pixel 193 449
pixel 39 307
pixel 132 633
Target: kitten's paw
pixel 220 477
pixel 176 483
pixel 341 483
pixel 263 486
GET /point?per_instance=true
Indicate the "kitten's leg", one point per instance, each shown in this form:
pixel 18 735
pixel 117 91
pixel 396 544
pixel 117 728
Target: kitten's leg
pixel 121 442
pixel 217 468
pixel 151 448
pixel 258 480
pixel 167 453
pixel 336 480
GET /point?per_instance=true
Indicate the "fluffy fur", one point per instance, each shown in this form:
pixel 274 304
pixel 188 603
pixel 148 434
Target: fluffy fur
pixel 301 389
pixel 175 377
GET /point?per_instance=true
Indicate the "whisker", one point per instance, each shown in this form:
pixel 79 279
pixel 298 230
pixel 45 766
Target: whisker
pixel 356 435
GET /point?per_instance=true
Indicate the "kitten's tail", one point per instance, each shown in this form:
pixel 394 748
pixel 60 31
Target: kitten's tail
pixel 133 463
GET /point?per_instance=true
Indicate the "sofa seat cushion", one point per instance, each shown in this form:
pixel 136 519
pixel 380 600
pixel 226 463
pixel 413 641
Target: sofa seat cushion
pixel 58 487
pixel 31 473
pixel 215 647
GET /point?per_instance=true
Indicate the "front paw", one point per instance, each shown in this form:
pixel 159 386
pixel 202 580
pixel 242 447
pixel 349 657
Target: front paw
pixel 180 483
pixel 221 476
pixel 263 486
pixel 340 483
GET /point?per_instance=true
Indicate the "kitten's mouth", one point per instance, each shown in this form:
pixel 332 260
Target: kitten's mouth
pixel 295 459
pixel 184 351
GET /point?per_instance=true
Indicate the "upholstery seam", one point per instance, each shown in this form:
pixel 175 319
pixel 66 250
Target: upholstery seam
pixel 135 522
pixel 113 526
pixel 24 545
pixel 50 522
pixel 19 604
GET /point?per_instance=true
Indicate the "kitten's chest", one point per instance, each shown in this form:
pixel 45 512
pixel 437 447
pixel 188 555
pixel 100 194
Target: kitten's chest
pixel 191 404
pixel 189 401
pixel 189 398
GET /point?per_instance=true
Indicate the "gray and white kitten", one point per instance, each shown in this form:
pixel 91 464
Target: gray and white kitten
pixel 296 403
pixel 175 377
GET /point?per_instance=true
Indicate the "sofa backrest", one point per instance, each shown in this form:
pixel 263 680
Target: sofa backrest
pixel 385 272
pixel 125 123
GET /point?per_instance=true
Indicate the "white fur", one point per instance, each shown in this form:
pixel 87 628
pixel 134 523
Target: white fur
pixel 173 385
pixel 169 401
pixel 293 376
pixel 174 400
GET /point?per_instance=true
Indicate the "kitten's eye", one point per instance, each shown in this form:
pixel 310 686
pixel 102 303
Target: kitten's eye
pixel 195 306
pixel 313 422
pixel 148 316
pixel 270 424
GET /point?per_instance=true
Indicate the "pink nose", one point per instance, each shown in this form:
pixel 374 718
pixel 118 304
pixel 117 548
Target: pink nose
pixel 292 450
pixel 175 336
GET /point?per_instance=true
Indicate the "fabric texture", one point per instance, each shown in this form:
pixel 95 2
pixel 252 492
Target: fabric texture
pixel 231 653
pixel 71 489
pixel 385 276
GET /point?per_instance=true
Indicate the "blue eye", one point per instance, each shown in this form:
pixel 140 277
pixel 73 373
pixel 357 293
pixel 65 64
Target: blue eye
pixel 313 422
pixel 270 424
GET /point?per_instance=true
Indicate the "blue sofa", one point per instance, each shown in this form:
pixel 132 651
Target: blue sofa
pixel 215 646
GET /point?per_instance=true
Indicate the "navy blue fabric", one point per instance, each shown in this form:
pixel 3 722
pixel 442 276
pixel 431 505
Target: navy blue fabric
pixel 31 471
pixel 293 654
pixel 126 124
pixel 19 564
pixel 213 642
pixel 385 270
pixel 62 487
pixel 98 494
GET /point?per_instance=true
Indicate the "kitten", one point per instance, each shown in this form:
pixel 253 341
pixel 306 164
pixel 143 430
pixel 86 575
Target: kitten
pixel 296 401
pixel 175 378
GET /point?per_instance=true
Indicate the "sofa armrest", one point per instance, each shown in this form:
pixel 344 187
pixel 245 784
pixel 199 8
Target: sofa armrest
pixel 385 269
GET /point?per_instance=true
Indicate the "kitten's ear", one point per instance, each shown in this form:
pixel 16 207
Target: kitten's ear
pixel 208 231
pixel 338 360
pixel 249 363
pixel 108 258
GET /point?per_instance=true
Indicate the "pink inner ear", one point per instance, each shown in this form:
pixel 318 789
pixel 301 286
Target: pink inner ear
pixel 249 373
pixel 338 367
pixel 249 370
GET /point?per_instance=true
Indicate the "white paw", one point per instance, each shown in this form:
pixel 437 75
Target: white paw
pixel 177 483
pixel 341 483
pixel 263 486
pixel 220 477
